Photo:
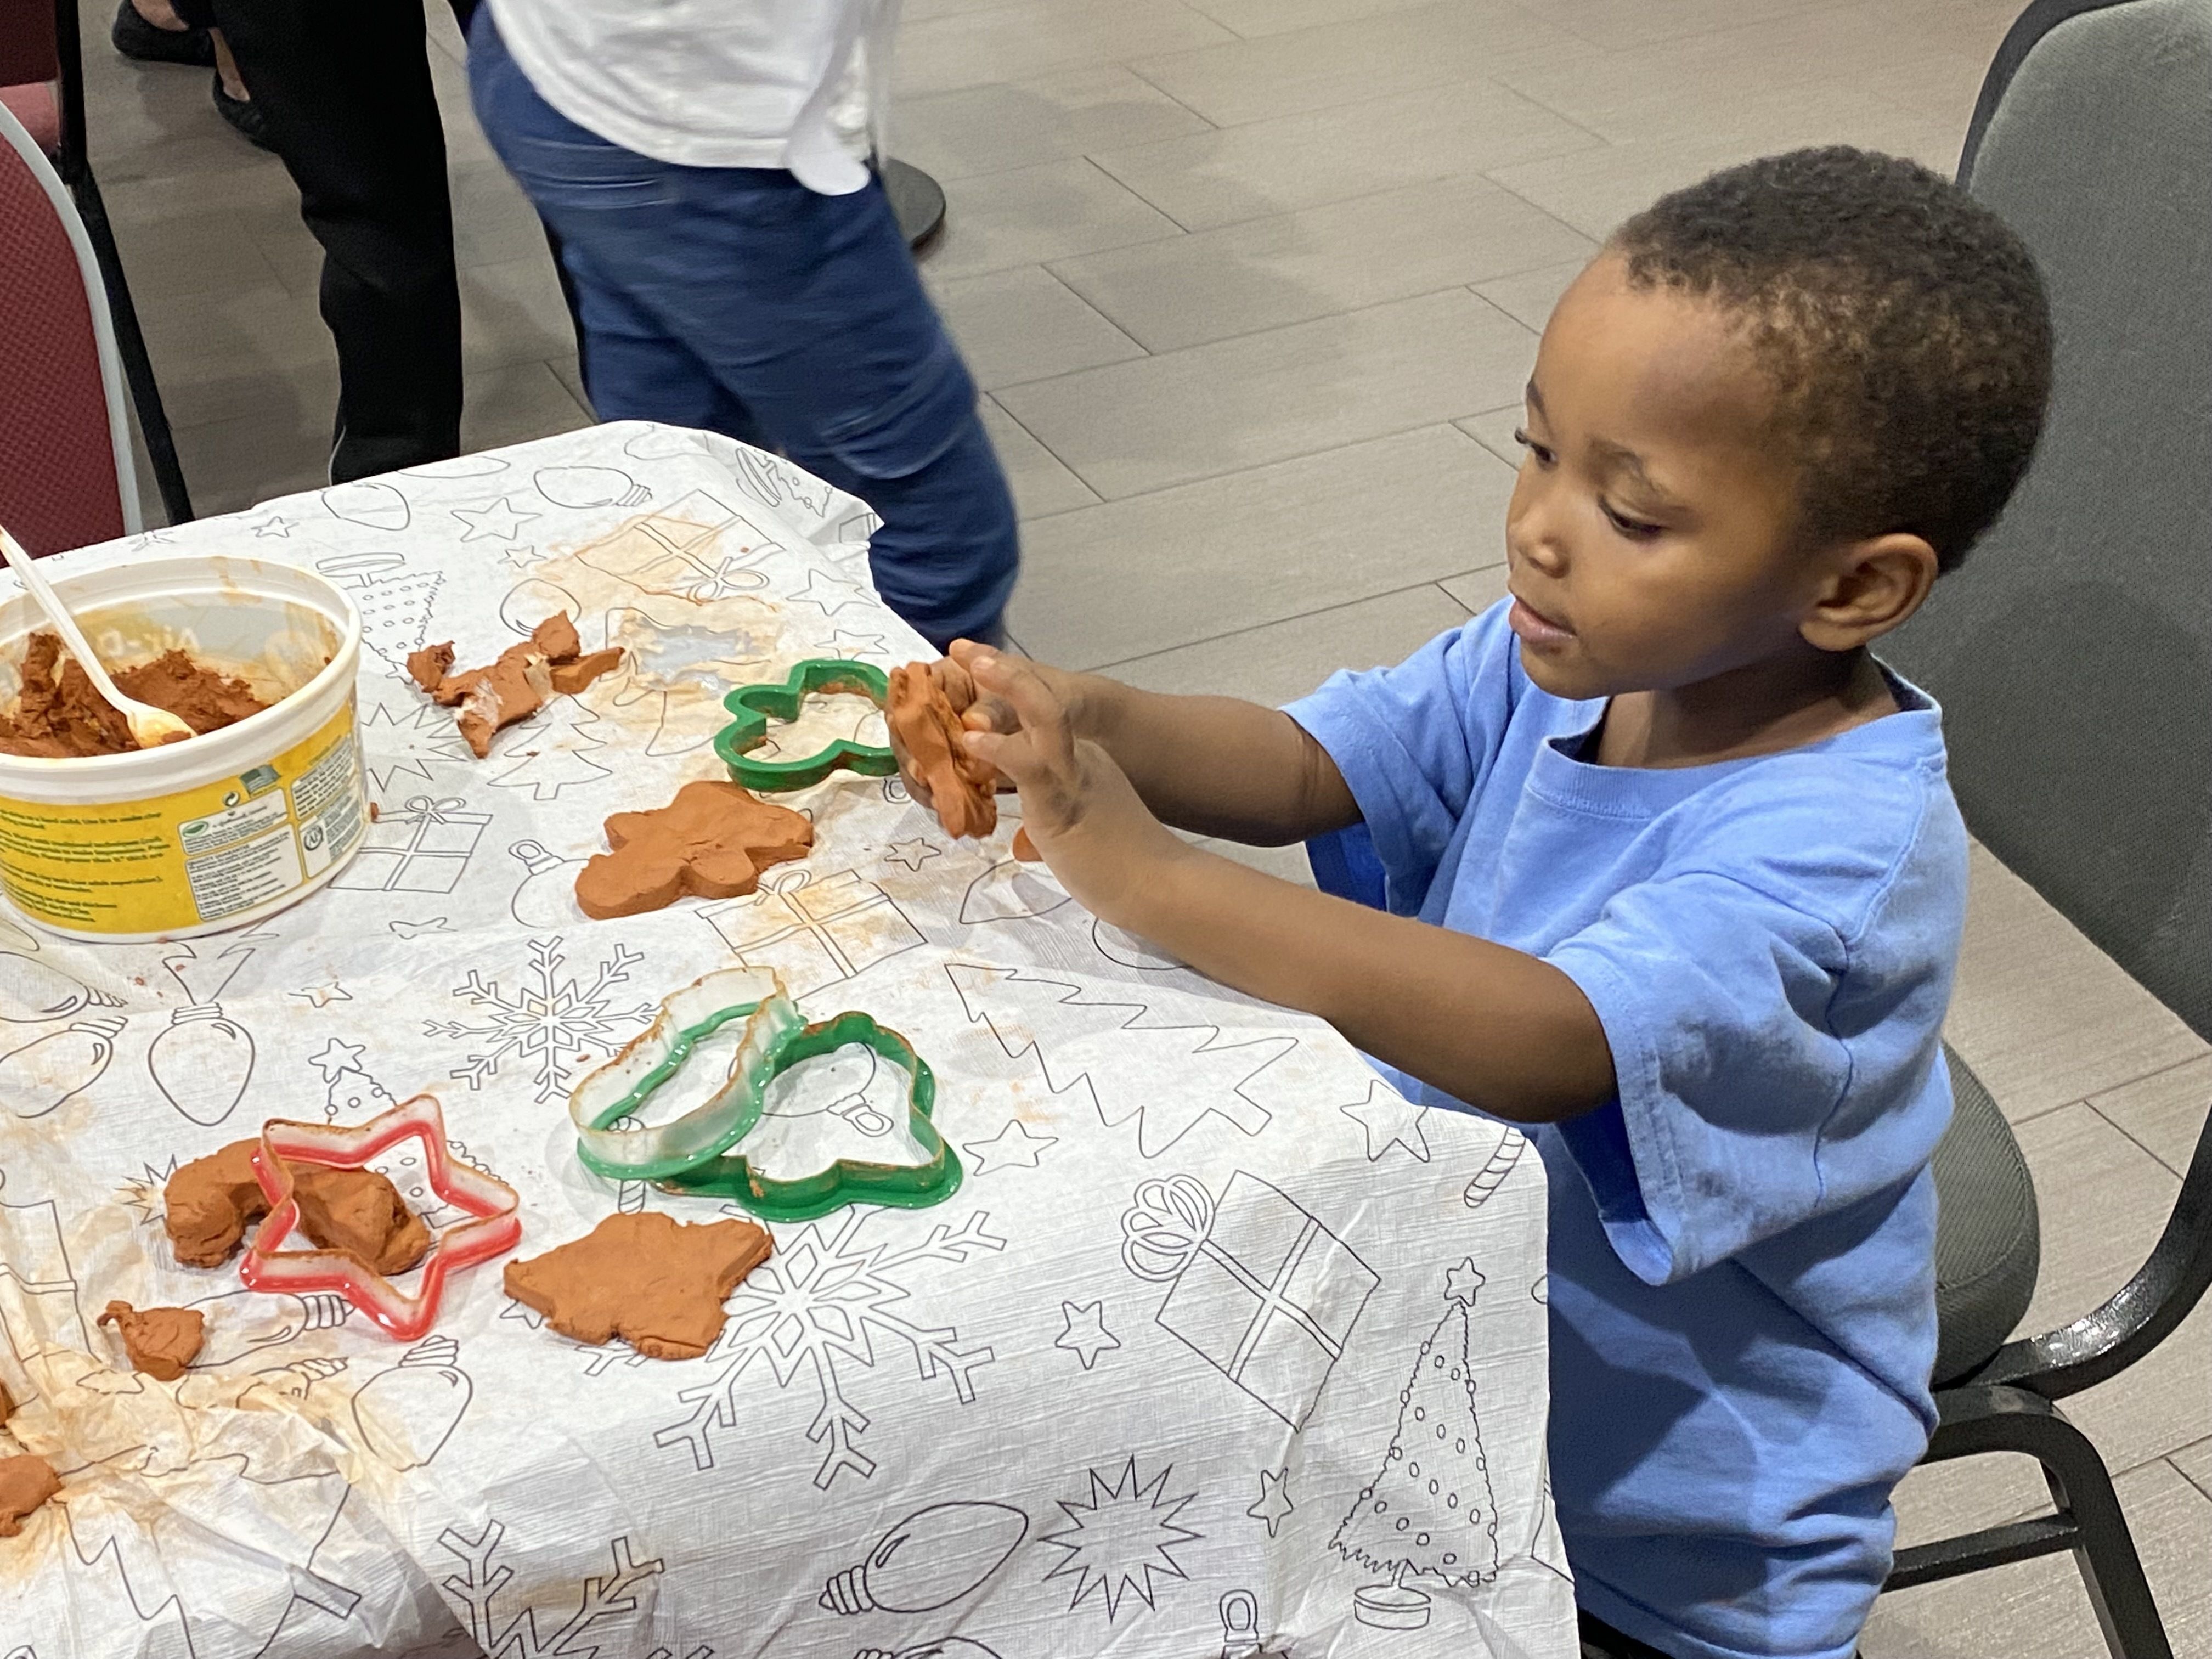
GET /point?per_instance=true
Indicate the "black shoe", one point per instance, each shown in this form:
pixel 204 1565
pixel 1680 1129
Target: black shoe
pixel 244 114
pixel 140 40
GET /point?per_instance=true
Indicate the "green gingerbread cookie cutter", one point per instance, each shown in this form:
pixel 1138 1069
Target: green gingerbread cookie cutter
pixel 754 706
pixel 730 1174
pixel 600 1103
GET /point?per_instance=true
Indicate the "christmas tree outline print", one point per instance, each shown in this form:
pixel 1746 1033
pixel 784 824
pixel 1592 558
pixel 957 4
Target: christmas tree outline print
pixel 1051 1018
pixel 1389 1529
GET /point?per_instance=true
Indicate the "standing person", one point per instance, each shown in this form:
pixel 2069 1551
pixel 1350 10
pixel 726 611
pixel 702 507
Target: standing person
pixel 738 267
pixel 343 95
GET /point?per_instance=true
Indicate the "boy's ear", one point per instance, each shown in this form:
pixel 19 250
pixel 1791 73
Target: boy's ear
pixel 1871 587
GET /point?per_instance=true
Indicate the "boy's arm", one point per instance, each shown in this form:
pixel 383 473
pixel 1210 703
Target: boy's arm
pixel 1493 1027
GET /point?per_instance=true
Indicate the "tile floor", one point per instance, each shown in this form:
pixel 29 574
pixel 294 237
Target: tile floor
pixel 1251 286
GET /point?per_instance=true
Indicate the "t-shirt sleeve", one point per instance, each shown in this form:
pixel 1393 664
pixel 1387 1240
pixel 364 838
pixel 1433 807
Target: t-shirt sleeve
pixel 1772 1049
pixel 1416 742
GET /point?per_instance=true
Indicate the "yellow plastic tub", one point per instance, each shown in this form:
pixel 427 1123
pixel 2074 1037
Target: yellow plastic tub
pixel 216 831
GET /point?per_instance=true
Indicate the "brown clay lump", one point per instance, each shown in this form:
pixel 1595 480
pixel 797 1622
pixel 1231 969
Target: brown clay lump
pixel 59 716
pixel 24 1483
pixel 160 1341
pixel 212 1200
pixel 361 1213
pixel 515 686
pixel 7 1404
pixel 713 840
pixel 654 1281
pixel 926 702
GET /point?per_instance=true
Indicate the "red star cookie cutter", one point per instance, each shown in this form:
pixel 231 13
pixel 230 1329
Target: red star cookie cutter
pixel 492 1229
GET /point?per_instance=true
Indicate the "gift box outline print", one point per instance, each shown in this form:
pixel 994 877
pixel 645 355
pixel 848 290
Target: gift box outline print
pixel 422 846
pixel 847 923
pixel 1259 1288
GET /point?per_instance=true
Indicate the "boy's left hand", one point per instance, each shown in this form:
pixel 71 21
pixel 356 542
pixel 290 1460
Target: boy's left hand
pixel 1079 808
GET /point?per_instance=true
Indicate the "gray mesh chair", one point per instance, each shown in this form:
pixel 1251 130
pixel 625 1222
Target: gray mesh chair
pixel 2073 655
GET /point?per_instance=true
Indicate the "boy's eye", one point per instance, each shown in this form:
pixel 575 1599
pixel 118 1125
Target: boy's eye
pixel 1542 454
pixel 1635 529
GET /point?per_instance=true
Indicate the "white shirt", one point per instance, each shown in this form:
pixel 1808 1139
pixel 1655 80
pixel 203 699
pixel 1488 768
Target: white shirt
pixel 715 83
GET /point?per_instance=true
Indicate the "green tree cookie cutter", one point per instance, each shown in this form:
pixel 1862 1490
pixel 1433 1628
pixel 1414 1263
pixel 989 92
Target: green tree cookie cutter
pixel 846 1180
pixel 619 1088
pixel 754 706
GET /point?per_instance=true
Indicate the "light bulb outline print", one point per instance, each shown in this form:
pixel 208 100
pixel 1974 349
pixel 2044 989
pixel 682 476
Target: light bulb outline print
pixel 34 992
pixel 48 1072
pixel 202 1061
pixel 929 1560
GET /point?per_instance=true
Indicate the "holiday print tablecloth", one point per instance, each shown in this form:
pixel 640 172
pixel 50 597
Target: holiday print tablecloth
pixel 1220 1350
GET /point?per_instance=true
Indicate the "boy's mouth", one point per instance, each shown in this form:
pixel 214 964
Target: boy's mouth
pixel 1534 627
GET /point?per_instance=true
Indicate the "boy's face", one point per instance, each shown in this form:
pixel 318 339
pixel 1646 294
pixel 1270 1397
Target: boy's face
pixel 1651 533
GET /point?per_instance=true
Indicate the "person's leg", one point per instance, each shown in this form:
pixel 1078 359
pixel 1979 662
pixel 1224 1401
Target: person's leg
pixel 346 93
pixel 810 310
pixel 595 198
pixel 805 309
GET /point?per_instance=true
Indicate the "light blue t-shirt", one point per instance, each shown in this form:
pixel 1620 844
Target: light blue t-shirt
pixel 1742 1242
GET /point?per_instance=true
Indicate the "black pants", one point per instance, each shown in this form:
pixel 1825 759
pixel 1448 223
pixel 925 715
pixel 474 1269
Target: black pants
pixel 345 89
pixel 1601 1641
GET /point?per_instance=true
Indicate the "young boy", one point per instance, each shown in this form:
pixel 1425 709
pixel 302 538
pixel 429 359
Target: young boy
pixel 1671 869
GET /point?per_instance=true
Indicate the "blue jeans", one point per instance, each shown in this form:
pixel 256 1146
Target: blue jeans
pixel 737 299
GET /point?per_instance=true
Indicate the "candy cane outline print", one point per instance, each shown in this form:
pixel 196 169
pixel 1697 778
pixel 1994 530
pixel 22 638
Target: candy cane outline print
pixel 1275 1329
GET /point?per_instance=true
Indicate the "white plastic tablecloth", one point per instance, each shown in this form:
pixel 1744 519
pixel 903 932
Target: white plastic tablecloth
pixel 1220 1349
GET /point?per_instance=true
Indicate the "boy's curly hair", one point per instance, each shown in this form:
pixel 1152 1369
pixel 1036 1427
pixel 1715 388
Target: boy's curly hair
pixel 1903 326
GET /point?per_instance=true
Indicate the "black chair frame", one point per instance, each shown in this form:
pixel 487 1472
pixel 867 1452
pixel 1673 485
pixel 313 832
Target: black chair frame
pixel 75 165
pixel 2008 1403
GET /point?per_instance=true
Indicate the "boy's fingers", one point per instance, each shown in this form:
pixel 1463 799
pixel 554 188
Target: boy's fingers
pixel 1031 699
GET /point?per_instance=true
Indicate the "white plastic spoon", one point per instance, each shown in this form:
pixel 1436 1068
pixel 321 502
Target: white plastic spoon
pixel 149 726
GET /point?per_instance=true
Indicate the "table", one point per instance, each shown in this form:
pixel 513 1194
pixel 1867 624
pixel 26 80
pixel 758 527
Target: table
pixel 1221 1348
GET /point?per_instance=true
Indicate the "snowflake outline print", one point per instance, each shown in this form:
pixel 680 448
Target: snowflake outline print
pixel 822 1298
pixel 1127 1533
pixel 546 1021
pixel 477 1585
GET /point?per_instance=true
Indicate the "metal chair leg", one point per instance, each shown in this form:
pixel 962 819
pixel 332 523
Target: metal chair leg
pixel 2089 1521
pixel 130 345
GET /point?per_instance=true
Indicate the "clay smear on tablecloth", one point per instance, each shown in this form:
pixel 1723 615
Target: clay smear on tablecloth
pixel 24 1483
pixel 212 1200
pixel 655 1282
pixel 712 841
pixel 7 1404
pixel 57 714
pixel 160 1341
pixel 517 685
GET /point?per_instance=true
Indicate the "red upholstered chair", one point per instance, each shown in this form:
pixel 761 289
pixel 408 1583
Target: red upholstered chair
pixel 66 472
pixel 42 86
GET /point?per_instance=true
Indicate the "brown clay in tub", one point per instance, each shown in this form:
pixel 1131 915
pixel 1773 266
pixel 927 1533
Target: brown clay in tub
pixel 713 841
pixel 24 1483
pixel 923 713
pixel 59 716
pixel 655 1282
pixel 160 1341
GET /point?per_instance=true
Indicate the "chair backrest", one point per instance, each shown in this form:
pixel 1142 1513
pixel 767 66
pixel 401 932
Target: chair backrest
pixel 29 48
pixel 66 478
pixel 2072 653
